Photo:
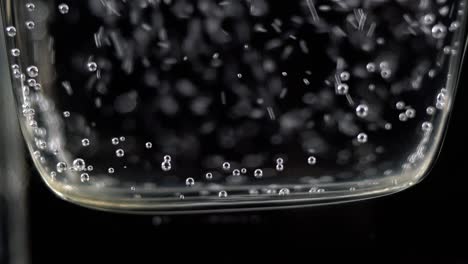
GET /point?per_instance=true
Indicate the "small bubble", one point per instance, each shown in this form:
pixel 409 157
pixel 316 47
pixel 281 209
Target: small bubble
pixel 120 153
pixel 344 76
pixel 63 8
pixel 279 167
pixel 410 113
pixel 84 177
pixel 258 173
pixel 122 139
pixel 429 19
pixel 430 110
pixel 148 145
pixel 167 158
pixel 403 117
pixel 61 167
pixel 312 160
pixel 15 52
pixel 85 142
pixel 66 114
pixel 30 7
pixel 32 83
pixel 427 127
pixel 166 166
pixel 439 31
pixel 454 26
pixel 222 194
pixel 244 170
pixel 111 170
pixel 189 182
pixel 32 71
pixel 92 66
pixel 362 110
pixel 209 175
pixel 362 138
pixel 79 164
pixel 386 73
pixel 284 191
pixel 226 165
pixel 342 89
pixel 279 161
pixel 181 197
pixel 30 24
pixel 11 31
pixel 370 67
pixel 115 141
pixel 90 168
pixel 236 172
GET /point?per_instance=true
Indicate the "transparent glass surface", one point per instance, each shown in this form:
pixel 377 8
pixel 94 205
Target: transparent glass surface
pixel 177 105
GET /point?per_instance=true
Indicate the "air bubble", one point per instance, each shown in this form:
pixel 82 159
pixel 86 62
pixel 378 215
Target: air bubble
pixel 166 166
pixel 439 31
pixel 362 138
pixel 311 160
pixel 258 173
pixel 115 141
pixel 110 170
pixel 79 164
pixel 403 117
pixel 342 89
pixel 61 167
pixel 30 25
pixel 63 8
pixel 15 52
pixel 85 142
pixel 427 127
pixel 32 71
pixel 148 145
pixel 92 66
pixel 279 167
pixel 236 172
pixel 120 153
pixel 410 113
pixel 370 67
pixel 209 175
pixel 11 31
pixel 222 194
pixel 430 110
pixel 344 76
pixel 362 110
pixel 30 7
pixel 189 182
pixel 284 191
pixel 84 177
pixel 226 165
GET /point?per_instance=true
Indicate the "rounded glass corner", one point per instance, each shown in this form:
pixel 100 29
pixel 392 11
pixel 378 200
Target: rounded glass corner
pixel 177 107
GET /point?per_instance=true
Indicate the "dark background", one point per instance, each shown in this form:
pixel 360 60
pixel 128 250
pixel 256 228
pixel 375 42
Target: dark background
pixel 425 224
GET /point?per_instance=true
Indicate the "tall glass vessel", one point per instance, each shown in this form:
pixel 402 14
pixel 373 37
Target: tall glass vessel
pixel 177 105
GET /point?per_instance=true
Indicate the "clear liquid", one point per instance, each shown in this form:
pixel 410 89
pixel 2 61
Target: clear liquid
pixel 225 99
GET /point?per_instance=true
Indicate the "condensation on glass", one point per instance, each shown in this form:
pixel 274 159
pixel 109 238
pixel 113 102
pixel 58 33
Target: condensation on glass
pixel 176 105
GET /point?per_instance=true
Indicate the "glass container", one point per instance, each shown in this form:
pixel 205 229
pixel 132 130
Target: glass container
pixel 182 106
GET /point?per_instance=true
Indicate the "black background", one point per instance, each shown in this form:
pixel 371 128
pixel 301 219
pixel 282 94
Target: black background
pixel 425 224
